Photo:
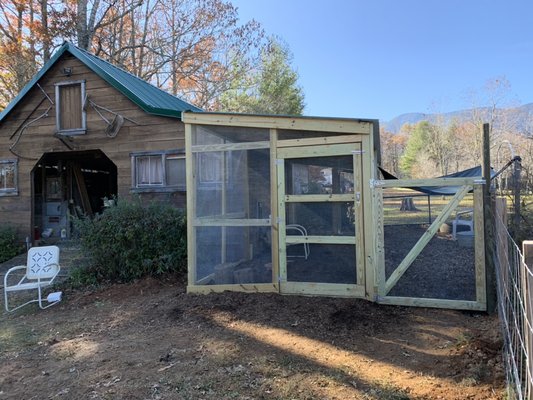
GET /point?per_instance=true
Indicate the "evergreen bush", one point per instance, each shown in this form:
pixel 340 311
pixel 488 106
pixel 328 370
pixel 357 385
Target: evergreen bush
pixel 9 244
pixel 130 240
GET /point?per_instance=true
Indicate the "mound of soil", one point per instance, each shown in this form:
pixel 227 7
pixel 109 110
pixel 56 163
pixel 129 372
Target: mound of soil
pixel 151 340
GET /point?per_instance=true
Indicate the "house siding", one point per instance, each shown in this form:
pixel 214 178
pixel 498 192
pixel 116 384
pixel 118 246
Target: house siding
pixel 149 133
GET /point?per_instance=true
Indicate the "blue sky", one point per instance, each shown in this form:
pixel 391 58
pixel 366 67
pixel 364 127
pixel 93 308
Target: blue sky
pixel 382 58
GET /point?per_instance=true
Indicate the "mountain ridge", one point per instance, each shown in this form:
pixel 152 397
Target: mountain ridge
pixel 523 117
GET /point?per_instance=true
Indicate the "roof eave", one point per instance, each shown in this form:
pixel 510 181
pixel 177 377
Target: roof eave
pixel 98 71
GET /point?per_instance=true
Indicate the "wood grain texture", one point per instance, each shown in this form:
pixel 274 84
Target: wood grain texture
pixel 147 133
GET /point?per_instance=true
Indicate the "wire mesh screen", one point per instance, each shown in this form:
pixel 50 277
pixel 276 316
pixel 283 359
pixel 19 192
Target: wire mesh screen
pixel 233 255
pixel 515 306
pixel 444 268
pixel 232 206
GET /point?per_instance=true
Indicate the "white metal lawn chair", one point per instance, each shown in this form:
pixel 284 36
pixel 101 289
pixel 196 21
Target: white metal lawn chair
pixel 303 232
pixel 460 220
pixel 42 267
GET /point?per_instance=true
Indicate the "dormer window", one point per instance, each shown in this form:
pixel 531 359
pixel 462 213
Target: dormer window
pixel 70 113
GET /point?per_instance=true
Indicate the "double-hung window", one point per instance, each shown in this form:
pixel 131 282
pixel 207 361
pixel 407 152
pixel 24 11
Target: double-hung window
pixel 70 108
pixel 159 171
pixel 8 178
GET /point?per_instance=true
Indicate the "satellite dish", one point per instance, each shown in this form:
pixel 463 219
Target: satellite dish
pixel 115 125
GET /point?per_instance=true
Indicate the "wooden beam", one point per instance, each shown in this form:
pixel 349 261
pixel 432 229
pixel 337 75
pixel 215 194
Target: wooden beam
pixel 338 125
pixel 241 287
pixel 281 222
pixel 359 211
pixel 274 208
pixel 322 289
pixel 488 210
pixel 232 215
pixel 426 237
pixel 297 239
pixel 379 241
pixel 368 252
pixel 434 303
pixel 191 205
pixel 319 198
pixel 319 141
pixel 479 245
pixel 485 165
pixel 205 148
pixel 317 151
pixel 206 221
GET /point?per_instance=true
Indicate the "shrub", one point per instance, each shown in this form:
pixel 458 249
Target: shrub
pixel 128 241
pixel 9 244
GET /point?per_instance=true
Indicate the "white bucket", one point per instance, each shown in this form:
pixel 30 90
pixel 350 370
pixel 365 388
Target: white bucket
pixel 465 239
pixel 54 297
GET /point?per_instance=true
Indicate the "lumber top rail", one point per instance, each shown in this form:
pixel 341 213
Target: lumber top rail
pixel 320 124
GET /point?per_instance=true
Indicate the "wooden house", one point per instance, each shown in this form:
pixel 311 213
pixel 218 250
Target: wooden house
pixel 80 133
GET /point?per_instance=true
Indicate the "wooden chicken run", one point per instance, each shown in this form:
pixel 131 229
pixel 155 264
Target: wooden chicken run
pixel 295 205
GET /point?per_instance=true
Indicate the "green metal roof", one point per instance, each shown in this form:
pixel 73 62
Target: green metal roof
pixel 148 97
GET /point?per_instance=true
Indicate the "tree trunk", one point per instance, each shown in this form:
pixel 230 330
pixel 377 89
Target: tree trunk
pixel 408 204
pixel 81 25
pixel 45 33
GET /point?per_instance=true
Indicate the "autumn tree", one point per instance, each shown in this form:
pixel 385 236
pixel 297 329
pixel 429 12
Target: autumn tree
pixel 16 59
pixel 392 147
pixel 187 47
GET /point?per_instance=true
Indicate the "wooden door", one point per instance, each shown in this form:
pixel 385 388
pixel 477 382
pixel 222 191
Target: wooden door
pixel 320 214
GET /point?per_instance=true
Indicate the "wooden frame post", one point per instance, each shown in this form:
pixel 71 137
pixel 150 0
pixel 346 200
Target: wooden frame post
pixel 488 212
pixel 274 228
pixel 191 205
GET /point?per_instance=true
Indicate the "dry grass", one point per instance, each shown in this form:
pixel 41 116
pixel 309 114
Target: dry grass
pixel 393 198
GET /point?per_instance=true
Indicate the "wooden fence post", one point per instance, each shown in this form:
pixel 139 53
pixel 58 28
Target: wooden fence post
pixel 488 212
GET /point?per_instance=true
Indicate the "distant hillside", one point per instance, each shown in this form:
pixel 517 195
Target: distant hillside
pixel 522 118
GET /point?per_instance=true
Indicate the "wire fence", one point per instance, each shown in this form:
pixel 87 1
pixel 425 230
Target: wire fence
pixel 515 307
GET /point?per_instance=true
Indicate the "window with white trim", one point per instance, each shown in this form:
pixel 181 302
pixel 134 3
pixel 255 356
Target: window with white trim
pixel 70 112
pixel 8 177
pixel 159 171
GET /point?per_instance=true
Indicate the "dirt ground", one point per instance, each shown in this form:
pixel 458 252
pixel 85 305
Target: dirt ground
pixel 443 270
pixel 150 340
